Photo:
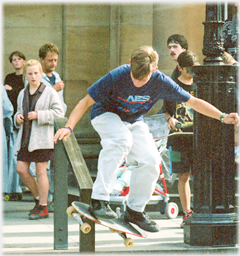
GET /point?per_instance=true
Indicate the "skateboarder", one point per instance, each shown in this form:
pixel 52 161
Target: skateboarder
pixel 119 100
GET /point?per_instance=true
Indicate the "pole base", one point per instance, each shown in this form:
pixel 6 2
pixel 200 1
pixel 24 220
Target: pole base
pixel 211 230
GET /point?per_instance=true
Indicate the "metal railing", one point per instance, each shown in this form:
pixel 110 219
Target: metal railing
pixel 66 153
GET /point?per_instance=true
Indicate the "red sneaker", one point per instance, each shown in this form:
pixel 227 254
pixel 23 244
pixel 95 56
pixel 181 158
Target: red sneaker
pixel 186 215
pixel 40 213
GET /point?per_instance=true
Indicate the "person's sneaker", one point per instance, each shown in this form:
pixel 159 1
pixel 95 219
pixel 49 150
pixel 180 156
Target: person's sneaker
pixel 40 213
pixel 141 219
pixel 101 209
pixel 186 215
pixel 34 208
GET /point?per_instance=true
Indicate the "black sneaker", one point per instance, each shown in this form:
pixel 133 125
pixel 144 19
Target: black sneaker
pixel 101 209
pixel 34 208
pixel 141 219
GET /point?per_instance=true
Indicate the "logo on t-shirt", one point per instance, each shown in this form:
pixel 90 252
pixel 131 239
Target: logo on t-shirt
pixel 135 103
pixel 138 98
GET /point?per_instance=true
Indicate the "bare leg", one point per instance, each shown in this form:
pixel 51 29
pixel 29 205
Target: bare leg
pixel 184 190
pixel 43 183
pixel 26 176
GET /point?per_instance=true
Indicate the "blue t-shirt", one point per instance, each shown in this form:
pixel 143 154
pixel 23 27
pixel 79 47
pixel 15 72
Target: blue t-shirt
pixel 52 79
pixel 116 93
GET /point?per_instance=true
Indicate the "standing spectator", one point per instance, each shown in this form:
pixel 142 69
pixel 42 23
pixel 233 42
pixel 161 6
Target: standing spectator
pixel 176 44
pixel 38 105
pixel 10 179
pixel 48 54
pixel 182 147
pixel 14 83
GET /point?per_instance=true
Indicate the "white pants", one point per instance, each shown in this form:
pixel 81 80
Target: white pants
pixel 134 141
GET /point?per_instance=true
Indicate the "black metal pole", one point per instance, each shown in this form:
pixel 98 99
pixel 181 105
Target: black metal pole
pixel 214 222
pixel 60 197
pixel 87 241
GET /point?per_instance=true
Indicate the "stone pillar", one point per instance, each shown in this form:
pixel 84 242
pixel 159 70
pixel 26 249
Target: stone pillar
pixel 214 222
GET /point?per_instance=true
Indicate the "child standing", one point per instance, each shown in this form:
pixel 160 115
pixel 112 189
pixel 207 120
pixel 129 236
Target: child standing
pixel 13 84
pixel 180 112
pixel 37 106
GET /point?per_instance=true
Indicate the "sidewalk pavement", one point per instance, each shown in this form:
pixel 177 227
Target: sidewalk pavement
pixel 23 236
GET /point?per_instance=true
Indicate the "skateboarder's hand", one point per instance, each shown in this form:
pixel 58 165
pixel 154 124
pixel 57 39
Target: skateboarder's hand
pixel 231 118
pixel 61 134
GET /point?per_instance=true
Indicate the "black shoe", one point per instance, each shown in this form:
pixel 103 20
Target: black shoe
pixel 101 209
pixel 141 219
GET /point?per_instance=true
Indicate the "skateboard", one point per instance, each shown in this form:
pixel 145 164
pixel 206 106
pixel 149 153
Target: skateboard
pixel 80 211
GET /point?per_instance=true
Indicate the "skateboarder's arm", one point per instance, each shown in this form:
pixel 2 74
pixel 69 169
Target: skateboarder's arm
pixel 75 116
pixel 209 110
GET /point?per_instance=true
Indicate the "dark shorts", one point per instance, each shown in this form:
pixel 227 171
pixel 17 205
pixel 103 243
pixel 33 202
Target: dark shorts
pixel 40 155
pixel 181 161
pixel 181 153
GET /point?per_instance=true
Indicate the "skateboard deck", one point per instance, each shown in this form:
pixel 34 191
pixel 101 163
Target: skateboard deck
pixel 117 225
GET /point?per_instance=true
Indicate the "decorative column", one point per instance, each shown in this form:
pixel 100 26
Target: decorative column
pixel 215 220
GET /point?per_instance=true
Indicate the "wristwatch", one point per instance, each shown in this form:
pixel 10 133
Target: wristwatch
pixel 222 116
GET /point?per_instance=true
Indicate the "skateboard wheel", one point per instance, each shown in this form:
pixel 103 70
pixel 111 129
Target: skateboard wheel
pixel 85 228
pixel 171 210
pixel 128 242
pixel 112 230
pixel 6 197
pixel 70 210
